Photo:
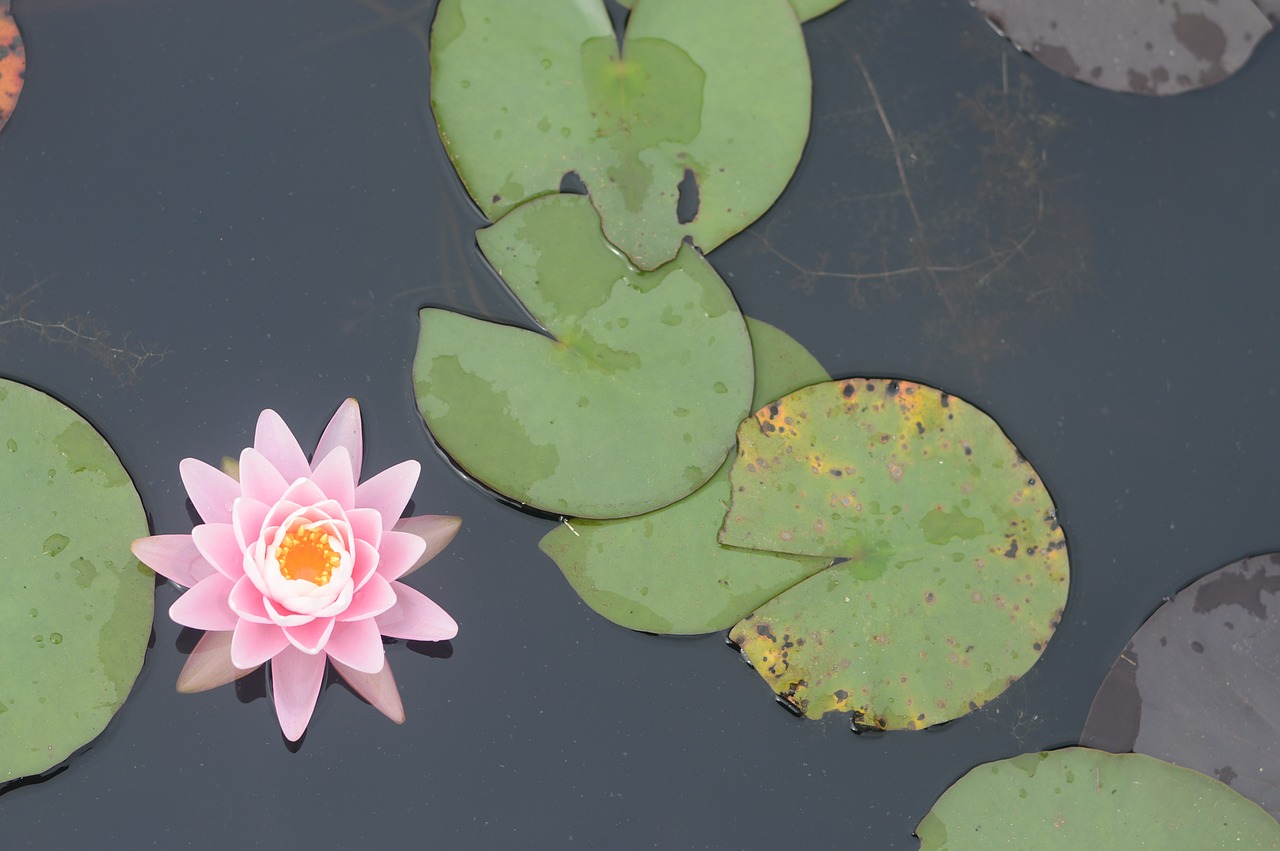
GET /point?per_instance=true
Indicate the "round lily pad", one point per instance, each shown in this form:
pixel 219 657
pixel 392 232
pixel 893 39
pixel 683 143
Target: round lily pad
pixel 75 605
pixel 707 100
pixel 1147 47
pixel 1199 683
pixel 664 571
pixel 955 569
pixel 630 403
pixel 13 62
pixel 1079 798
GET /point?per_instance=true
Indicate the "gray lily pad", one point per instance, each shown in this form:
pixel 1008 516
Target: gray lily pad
pixel 1199 683
pixel 1077 798
pixel 630 403
pixel 1148 47
pixel 75 605
pixel 706 99
pixel 664 571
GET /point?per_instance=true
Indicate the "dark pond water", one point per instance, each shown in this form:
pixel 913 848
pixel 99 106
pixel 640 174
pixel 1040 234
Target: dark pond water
pixel 257 191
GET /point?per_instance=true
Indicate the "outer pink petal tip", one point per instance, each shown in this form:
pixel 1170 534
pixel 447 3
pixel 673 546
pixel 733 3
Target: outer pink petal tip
pixel 436 530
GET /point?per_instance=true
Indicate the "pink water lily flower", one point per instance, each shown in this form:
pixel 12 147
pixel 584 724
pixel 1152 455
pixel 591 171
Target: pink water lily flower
pixel 296 563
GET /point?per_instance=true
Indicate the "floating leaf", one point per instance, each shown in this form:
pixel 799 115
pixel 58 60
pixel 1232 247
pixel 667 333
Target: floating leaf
pixel 630 407
pixel 806 10
pixel 1149 47
pixel 1199 684
pixel 957 569
pixel 13 62
pixel 664 571
pixel 709 99
pixel 75 605
pixel 1079 798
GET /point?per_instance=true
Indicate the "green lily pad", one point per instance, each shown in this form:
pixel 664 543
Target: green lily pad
pixel 957 569
pixel 716 91
pixel 664 571
pixel 806 10
pixel 629 405
pixel 1079 798
pixel 75 605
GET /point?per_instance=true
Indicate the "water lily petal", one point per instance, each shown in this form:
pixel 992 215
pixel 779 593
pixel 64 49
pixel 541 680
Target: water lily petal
pixel 248 516
pixel 281 616
pixel 255 643
pixel 374 599
pixel 379 689
pixel 389 491
pixel 209 664
pixel 310 637
pixel 357 644
pixel 416 617
pixel 174 557
pixel 333 476
pixel 295 684
pixel 247 601
pixel 259 479
pixel 278 445
pixel 437 530
pixel 303 492
pixel 212 491
pixel 366 563
pixel 205 606
pixel 366 525
pixel 400 551
pixel 343 430
pixel 217 543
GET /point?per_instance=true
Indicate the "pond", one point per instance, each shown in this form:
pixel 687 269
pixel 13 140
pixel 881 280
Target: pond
pixel 239 206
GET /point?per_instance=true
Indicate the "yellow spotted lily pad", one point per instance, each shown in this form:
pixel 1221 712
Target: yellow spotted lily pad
pixel 955 571
pixel 627 403
pixel 708 100
pixel 75 605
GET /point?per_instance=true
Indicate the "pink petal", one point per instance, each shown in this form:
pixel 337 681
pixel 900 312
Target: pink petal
pixel 278 445
pixel 259 479
pixel 295 684
pixel 389 491
pixel 247 602
pixel 255 643
pixel 398 553
pixel 247 518
pixel 217 543
pixel 358 645
pixel 436 529
pixel 416 617
pixel 343 430
pixel 333 476
pixel 372 600
pixel 310 637
pixel 174 557
pixel 209 664
pixel 282 616
pixel 212 491
pixel 366 564
pixel 379 689
pixel 303 492
pixel 366 524
pixel 205 606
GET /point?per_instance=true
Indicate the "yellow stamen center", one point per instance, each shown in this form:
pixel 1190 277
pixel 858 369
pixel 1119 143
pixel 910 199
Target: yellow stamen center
pixel 306 554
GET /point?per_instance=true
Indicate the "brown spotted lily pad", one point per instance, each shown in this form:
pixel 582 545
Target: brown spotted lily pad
pixel 13 62
pixel 955 569
pixel 1199 683
pixel 1148 47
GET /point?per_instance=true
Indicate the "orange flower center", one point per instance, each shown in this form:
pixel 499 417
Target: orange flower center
pixel 306 554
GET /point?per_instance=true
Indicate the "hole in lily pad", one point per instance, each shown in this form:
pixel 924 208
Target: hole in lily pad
pixel 687 206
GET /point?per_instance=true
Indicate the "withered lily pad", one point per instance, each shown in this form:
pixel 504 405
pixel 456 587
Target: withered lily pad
pixel 707 99
pixel 630 403
pixel 1148 47
pixel 1078 798
pixel 75 605
pixel 1199 684
pixel 665 571
pixel 13 62
pixel 956 570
